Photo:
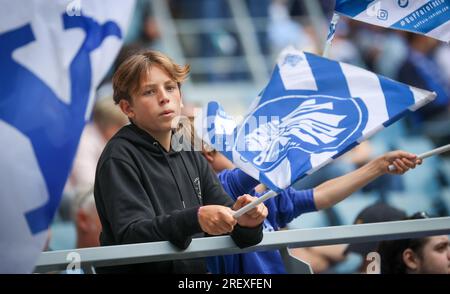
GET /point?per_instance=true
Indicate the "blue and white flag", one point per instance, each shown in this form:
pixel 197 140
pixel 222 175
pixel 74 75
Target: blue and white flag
pixel 426 17
pixel 312 111
pixel 53 55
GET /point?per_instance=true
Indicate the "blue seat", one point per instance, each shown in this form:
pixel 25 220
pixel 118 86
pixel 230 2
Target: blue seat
pixel 309 220
pixel 445 196
pixel 348 209
pixel 389 134
pixel 63 236
pixel 411 202
pixel 350 265
pixel 445 168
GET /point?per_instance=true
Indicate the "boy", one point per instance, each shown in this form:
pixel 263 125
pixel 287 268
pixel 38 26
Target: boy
pixel 147 192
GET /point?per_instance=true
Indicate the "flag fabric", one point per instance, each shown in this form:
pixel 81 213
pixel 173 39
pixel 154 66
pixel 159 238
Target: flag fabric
pixel 312 111
pixel 426 17
pixel 53 55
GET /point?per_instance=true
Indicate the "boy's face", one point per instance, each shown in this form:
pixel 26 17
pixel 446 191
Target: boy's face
pixel 157 102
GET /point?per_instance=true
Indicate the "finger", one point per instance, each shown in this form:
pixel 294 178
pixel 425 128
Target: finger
pixel 226 226
pixel 217 226
pixel 408 163
pixel 238 203
pixel 398 168
pixel 401 168
pixel 259 212
pixel 256 210
pixel 419 161
pixel 242 201
pixel 254 213
pixel 229 219
pixel 403 165
pixel 261 217
pixel 408 155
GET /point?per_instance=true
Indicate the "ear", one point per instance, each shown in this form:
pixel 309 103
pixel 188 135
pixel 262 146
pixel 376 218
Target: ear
pixel 410 259
pixel 126 108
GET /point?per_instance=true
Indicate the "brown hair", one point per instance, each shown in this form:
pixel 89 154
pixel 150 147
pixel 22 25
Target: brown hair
pixel 127 78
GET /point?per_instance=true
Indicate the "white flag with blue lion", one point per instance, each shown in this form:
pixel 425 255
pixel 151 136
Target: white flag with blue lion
pixel 312 111
pixel 53 55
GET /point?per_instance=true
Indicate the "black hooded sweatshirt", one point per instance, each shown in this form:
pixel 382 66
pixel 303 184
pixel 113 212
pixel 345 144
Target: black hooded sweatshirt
pixel 145 194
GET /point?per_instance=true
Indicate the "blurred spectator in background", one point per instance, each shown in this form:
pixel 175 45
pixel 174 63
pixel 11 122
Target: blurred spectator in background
pixel 442 57
pixel 344 49
pixel 323 258
pixel 429 255
pixel 283 31
pixel 376 213
pixel 87 222
pixel 107 120
pixel 422 71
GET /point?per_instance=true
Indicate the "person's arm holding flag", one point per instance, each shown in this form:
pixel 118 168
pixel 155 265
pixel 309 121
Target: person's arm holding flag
pixel 335 190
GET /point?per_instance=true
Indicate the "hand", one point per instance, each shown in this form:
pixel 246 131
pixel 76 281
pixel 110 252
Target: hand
pixel 402 161
pixel 216 219
pixel 251 218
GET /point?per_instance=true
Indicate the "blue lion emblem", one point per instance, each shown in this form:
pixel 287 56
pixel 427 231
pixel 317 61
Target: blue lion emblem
pixel 292 60
pixel 305 124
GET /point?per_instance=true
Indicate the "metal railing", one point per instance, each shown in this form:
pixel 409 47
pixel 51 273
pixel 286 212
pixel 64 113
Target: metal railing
pixel 202 247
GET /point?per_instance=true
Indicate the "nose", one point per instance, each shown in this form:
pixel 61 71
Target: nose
pixel 164 97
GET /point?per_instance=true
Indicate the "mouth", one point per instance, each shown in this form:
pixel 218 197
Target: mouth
pixel 167 113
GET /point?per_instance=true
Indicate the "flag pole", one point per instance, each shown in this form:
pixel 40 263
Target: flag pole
pixel 331 33
pixel 427 154
pixel 250 206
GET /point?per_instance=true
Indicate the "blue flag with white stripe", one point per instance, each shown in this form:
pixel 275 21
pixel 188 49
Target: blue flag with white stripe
pixel 426 17
pixel 53 55
pixel 312 111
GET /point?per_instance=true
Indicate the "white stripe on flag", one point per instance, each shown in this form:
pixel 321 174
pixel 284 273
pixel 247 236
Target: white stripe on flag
pixel 296 73
pixel 366 85
pixel 245 166
pixel 281 174
pixel 419 96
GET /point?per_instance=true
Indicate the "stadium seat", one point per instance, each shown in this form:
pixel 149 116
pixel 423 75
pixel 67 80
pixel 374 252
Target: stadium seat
pixel 309 220
pixel 411 202
pixel 445 169
pixel 349 208
pixel 63 236
pixel 389 134
pixel 445 196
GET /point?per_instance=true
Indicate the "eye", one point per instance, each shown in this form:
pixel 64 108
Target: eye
pixel 170 88
pixel 149 92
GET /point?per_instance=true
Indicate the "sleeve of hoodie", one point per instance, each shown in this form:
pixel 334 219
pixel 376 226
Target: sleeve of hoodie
pixel 236 183
pixel 215 194
pixel 292 203
pixel 131 214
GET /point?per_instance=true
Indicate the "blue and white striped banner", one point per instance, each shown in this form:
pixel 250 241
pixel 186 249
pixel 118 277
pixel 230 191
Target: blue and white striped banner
pixel 312 111
pixel 426 17
pixel 53 55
